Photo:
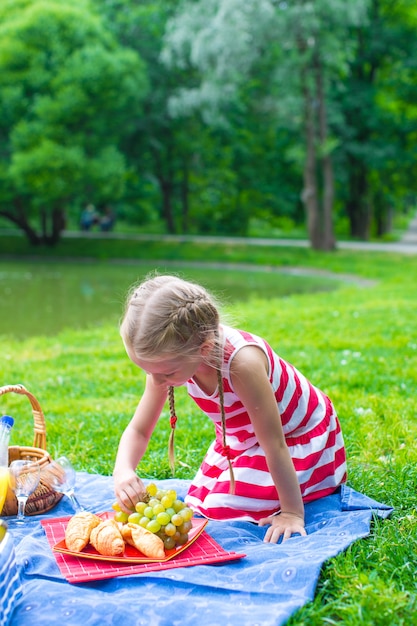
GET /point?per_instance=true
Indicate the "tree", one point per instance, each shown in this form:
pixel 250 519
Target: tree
pixel 67 95
pixel 377 128
pixel 160 148
pixel 200 177
pixel 225 41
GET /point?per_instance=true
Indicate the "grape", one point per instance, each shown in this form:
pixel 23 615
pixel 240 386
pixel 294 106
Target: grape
pixel 152 489
pixel 170 530
pixel 177 519
pixel 182 539
pixel 162 513
pixel 158 508
pixel 169 543
pixel 167 501
pixel 140 507
pixel 184 528
pixel 170 511
pixel 153 526
pixel 163 518
pixel 178 505
pixel 134 518
pixel 186 514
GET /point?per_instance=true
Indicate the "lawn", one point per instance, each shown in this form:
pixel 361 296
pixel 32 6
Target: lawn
pixel 358 343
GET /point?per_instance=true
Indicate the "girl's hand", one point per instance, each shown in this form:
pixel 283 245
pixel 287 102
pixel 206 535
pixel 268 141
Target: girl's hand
pixel 284 524
pixel 129 489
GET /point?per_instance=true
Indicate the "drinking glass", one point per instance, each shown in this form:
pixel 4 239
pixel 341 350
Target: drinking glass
pixel 61 475
pixel 24 477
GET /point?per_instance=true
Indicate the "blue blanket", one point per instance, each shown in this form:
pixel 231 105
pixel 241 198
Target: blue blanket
pixel 266 587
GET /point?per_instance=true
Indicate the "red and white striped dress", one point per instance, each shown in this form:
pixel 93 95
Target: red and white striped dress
pixel 312 432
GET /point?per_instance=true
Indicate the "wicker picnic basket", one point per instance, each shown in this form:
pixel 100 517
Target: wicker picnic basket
pixel 44 498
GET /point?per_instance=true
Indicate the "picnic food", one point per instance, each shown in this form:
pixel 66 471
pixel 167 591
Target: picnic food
pixel 143 540
pixel 78 530
pixel 106 538
pixel 160 522
pixel 161 512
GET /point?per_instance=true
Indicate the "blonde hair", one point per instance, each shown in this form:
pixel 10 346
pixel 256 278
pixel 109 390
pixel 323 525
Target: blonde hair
pixel 166 315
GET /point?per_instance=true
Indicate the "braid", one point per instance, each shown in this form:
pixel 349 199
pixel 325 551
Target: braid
pixel 172 421
pixel 226 448
pixel 187 322
pixel 167 315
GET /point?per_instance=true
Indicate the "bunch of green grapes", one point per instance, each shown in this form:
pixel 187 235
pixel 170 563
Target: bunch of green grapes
pixel 163 513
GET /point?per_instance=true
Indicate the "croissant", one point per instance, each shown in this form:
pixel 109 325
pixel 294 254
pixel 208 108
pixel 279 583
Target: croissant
pixel 107 539
pixel 146 542
pixel 78 530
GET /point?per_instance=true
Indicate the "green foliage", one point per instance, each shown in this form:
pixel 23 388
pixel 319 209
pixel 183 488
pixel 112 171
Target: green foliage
pixel 189 117
pixel 377 106
pixel 69 95
pixel 230 45
pixel 48 171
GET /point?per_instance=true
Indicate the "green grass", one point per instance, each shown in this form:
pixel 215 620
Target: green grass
pixel 359 344
pixel 365 264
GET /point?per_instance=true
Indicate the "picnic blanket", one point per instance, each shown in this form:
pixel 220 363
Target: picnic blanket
pixel 265 587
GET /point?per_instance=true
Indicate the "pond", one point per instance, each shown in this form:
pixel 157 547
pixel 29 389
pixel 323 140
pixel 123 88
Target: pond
pixel 43 298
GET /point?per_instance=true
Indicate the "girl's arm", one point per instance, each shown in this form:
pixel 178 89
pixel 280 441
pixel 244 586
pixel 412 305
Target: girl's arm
pixel 129 488
pixel 249 372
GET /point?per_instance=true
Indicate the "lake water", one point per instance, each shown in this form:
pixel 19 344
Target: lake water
pixel 38 298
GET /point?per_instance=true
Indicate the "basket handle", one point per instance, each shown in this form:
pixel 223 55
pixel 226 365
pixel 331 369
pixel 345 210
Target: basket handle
pixel 39 440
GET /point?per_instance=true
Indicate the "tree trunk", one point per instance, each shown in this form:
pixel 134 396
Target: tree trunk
pixel 357 205
pixel 20 220
pixel 52 224
pixel 167 211
pixel 166 185
pixel 44 225
pixel 369 57
pixel 185 197
pixel 383 213
pixel 58 225
pixel 309 194
pixel 328 239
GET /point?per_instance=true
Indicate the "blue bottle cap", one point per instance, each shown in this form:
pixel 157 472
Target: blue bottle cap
pixel 7 420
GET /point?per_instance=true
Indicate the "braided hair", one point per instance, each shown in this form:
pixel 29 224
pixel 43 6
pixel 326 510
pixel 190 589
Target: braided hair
pixel 173 422
pixel 166 315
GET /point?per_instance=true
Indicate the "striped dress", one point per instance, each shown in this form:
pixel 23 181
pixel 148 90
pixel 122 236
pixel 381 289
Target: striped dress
pixel 311 428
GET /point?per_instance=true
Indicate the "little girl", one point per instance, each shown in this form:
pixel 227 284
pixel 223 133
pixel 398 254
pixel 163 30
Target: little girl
pixel 278 440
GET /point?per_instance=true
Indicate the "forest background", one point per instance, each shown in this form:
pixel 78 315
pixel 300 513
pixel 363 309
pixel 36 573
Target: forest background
pixel 209 116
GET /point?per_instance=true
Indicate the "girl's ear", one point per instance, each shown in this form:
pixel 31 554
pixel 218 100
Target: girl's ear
pixel 207 347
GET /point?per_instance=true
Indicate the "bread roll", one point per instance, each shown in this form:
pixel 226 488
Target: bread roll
pixel 106 538
pixel 143 540
pixel 78 530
